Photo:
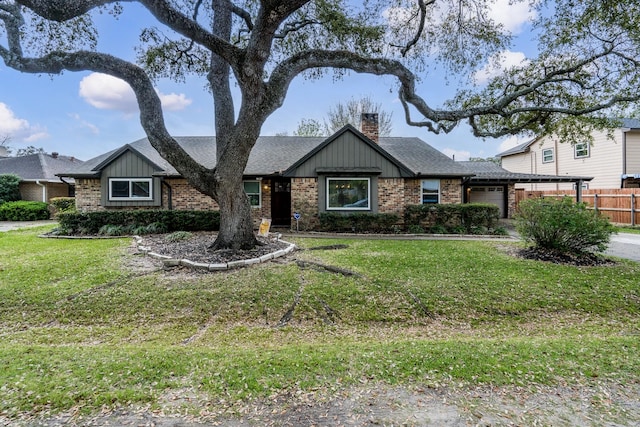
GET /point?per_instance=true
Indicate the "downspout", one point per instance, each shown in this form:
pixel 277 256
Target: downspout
pixel 69 186
pixel 44 190
pixel 169 194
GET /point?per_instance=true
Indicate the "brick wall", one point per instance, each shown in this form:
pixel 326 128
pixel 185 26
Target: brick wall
pixel 88 195
pixel 450 191
pixel 304 200
pixel 33 192
pixel 391 195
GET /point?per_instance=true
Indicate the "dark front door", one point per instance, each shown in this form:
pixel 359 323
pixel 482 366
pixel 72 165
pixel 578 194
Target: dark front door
pixel 281 202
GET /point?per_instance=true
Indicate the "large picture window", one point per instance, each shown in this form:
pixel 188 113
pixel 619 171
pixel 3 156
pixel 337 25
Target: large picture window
pixel 252 188
pixel 348 194
pixel 130 189
pixel 430 191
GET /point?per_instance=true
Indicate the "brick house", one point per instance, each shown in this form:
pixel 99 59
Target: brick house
pixel 349 171
pixel 37 172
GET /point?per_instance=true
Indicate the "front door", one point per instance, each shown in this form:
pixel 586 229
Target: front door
pixel 281 202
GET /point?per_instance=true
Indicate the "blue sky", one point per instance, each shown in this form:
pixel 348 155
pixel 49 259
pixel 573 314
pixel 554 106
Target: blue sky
pixel 86 114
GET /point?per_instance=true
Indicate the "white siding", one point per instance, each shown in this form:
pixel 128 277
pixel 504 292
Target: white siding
pixel 604 162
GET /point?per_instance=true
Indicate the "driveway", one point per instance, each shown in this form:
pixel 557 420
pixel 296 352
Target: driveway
pixel 14 225
pixel 625 245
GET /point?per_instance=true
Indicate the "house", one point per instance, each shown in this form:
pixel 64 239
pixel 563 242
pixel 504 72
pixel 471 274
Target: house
pixel 350 171
pixel 38 175
pixel 614 162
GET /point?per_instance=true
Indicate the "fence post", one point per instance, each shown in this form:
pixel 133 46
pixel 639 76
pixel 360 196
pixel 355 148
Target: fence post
pixel 633 210
pixel 595 201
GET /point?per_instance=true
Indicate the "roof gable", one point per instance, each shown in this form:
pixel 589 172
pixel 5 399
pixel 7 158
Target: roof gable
pixel 117 154
pixel 350 162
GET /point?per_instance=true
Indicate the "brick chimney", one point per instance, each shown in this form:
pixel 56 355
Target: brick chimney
pixel 369 126
pixel 54 155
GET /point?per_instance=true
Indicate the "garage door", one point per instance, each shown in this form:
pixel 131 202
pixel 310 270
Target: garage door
pixel 494 195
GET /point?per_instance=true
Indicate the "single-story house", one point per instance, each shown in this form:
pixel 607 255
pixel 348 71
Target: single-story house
pixel 350 171
pixel 38 175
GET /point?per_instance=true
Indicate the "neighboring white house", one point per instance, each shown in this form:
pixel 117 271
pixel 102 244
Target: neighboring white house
pixel 612 162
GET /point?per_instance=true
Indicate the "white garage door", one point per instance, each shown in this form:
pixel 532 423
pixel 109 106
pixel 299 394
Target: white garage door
pixel 494 195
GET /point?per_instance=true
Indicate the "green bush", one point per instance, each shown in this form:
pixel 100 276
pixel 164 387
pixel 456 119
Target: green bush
pixel 23 211
pixel 358 222
pixel 138 221
pixel 562 225
pixel 9 188
pixel 59 205
pixel 469 218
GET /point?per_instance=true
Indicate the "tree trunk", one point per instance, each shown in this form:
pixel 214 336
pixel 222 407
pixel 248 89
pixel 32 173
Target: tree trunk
pixel 236 225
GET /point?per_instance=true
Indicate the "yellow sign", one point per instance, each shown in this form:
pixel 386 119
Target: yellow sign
pixel 263 231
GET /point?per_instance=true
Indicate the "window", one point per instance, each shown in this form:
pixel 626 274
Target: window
pixel 547 155
pixel 430 191
pixel 581 149
pixel 348 194
pixel 252 188
pixel 130 189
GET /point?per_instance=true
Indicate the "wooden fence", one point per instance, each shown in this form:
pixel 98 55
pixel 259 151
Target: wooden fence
pixel 622 205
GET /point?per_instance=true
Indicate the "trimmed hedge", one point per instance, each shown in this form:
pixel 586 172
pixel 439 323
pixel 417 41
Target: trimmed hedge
pixel 358 222
pixel 468 218
pixel 132 221
pixel 24 211
pixel 62 204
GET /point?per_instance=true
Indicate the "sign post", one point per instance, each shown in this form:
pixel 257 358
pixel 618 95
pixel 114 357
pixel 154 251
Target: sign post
pixel 297 216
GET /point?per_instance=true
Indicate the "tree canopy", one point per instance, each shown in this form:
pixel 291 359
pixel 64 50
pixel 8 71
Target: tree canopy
pixel 586 64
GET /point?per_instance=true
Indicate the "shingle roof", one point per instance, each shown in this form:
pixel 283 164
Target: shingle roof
pixel 521 148
pixel 275 154
pixel 492 172
pixel 40 166
pixel 631 123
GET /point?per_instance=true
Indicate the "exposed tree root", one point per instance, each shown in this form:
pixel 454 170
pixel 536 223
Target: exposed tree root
pixel 423 308
pixel 201 331
pixel 329 315
pixel 327 247
pixel 320 267
pixel 104 286
pixel 296 300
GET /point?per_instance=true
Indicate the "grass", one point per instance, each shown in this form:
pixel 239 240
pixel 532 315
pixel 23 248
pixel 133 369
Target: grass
pixel 80 329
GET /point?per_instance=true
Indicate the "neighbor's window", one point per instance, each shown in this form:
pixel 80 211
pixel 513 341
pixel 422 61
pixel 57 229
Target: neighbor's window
pixel 430 191
pixel 130 189
pixel 252 188
pixel 581 149
pixel 547 155
pixel 348 194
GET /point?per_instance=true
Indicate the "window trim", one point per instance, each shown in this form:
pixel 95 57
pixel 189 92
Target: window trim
pixel 348 178
pixel 130 198
pixel 422 191
pixel 586 148
pixel 549 153
pixel 259 193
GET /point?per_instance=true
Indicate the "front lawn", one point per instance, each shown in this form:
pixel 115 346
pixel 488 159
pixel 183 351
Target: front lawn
pixel 84 327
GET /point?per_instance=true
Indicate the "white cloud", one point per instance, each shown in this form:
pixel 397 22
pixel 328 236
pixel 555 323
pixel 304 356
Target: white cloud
pixel 85 124
pixel 457 154
pixel 110 93
pixel 18 129
pixel 513 15
pixel 498 64
pixel 512 141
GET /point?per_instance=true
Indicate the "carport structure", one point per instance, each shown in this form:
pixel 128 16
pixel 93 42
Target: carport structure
pixel 491 183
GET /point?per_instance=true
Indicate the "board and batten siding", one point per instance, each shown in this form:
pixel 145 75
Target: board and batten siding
pixel 346 152
pixel 130 165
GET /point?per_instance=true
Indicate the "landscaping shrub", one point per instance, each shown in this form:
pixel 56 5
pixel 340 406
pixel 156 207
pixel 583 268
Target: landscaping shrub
pixel 59 205
pixel 23 211
pixel 9 188
pixel 469 218
pixel 358 222
pixel 138 221
pixel 562 225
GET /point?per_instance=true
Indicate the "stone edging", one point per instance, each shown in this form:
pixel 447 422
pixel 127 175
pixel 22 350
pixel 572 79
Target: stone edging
pixel 169 261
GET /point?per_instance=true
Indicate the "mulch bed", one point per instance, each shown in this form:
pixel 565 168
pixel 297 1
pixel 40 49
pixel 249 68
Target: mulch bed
pixel 196 248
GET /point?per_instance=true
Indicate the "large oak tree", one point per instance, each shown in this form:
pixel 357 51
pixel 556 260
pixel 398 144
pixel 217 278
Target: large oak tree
pixel 586 63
